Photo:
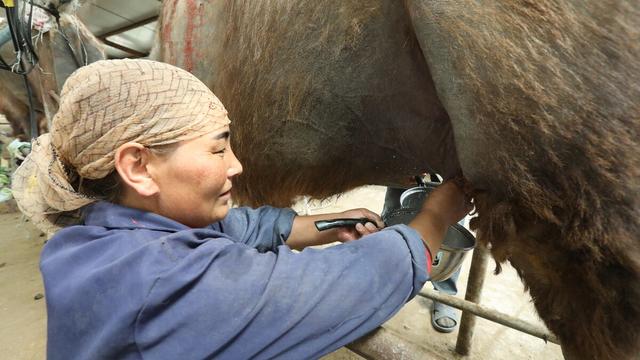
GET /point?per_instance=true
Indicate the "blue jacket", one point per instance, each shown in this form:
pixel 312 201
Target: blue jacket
pixel 129 284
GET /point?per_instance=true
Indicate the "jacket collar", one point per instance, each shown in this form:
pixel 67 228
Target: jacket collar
pixel 114 216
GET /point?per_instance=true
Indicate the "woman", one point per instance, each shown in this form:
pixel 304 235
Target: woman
pixel 148 261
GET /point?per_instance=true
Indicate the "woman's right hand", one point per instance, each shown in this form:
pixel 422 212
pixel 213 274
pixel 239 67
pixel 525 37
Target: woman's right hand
pixel 448 202
pixel 444 206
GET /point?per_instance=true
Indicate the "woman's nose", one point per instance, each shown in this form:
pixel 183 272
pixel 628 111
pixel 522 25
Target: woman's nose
pixel 235 168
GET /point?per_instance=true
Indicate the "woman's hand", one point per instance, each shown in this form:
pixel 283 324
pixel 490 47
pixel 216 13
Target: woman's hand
pixel 304 232
pixel 444 206
pixel 346 234
pixel 449 202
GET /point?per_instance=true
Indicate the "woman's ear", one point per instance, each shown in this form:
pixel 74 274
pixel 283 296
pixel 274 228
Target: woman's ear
pixel 131 162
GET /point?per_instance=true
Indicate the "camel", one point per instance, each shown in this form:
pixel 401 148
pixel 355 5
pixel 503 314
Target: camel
pixel 68 45
pixel 534 102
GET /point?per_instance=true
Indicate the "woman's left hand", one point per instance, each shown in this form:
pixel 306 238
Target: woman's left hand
pixel 347 233
pixel 304 233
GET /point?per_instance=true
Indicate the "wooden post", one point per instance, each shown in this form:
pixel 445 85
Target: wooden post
pixel 490 314
pixel 474 290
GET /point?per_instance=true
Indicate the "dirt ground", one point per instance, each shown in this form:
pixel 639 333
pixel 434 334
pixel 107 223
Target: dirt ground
pixel 23 312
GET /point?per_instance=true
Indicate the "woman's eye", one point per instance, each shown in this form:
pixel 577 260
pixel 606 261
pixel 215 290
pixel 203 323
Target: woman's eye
pixel 220 152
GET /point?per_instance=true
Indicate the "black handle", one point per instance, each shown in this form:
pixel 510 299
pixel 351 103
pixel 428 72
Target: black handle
pixel 322 225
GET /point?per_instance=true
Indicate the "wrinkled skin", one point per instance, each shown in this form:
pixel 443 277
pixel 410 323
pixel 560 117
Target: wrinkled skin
pixel 84 48
pixel 535 102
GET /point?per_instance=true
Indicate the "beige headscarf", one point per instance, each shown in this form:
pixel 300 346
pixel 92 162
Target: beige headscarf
pixel 102 106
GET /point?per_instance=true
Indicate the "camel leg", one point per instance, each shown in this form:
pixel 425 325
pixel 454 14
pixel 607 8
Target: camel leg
pixel 16 112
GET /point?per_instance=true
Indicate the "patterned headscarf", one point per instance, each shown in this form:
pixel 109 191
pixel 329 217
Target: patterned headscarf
pixel 102 106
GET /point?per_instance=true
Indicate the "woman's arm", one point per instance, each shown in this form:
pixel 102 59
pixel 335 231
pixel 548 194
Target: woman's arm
pixel 304 232
pixel 264 228
pixel 445 206
pixel 225 300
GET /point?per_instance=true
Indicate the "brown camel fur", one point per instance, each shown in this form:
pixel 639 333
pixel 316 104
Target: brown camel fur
pixel 536 102
pixel 552 89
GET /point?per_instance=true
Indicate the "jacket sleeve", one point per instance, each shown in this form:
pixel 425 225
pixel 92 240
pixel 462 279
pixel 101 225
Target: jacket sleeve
pixel 264 228
pixel 228 301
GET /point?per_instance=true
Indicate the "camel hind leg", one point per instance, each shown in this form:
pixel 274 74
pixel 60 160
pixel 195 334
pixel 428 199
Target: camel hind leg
pixel 542 97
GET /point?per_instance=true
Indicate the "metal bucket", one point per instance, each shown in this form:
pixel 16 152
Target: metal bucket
pixel 457 242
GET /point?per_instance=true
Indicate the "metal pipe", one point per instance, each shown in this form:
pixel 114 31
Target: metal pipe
pixel 125 49
pixel 131 26
pixel 490 314
pixel 477 274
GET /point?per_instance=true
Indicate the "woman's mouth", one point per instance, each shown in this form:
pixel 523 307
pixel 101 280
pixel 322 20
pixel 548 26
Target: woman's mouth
pixel 225 195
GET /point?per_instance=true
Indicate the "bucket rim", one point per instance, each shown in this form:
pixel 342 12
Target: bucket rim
pixel 466 233
pixel 427 187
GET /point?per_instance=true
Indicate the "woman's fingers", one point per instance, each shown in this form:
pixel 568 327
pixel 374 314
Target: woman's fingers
pixel 364 213
pixel 379 224
pixel 361 229
pixel 371 227
pixel 366 229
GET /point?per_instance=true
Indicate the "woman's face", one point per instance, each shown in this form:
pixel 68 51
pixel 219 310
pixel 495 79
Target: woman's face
pixel 194 180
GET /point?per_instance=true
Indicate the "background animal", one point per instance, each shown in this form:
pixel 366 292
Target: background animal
pixel 66 46
pixel 535 102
